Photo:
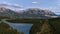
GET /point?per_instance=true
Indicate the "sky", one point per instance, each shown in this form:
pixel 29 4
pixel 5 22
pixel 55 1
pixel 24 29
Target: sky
pixel 53 5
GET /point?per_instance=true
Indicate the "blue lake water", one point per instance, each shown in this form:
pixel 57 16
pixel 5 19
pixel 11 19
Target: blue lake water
pixel 21 27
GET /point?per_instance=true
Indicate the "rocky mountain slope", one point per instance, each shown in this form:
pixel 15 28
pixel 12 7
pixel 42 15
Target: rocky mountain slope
pixel 30 12
pixel 8 13
pixel 37 12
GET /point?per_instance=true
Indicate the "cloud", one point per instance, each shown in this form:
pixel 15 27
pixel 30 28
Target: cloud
pixel 35 2
pixel 10 4
pixel 3 4
pixel 52 16
pixel 56 8
pixel 16 5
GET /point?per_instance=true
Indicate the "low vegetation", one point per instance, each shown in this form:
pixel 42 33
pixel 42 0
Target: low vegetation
pixel 40 26
pixel 53 25
pixel 56 24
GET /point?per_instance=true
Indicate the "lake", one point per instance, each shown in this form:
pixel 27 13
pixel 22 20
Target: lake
pixel 21 27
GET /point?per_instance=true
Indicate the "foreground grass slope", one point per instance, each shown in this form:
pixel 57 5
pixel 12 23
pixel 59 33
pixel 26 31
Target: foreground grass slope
pixel 6 29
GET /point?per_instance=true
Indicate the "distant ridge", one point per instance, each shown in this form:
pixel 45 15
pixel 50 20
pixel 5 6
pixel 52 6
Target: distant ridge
pixel 30 12
pixel 37 12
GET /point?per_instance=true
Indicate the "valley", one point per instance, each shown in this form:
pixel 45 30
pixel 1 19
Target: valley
pixel 46 23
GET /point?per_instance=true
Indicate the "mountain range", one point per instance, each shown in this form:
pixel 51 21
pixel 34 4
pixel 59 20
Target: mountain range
pixel 8 13
pixel 30 12
pixel 36 12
